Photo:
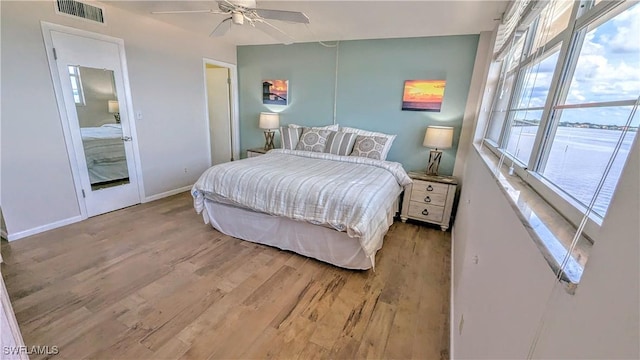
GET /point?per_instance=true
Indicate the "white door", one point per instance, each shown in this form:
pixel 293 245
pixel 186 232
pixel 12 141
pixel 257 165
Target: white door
pixel 219 105
pixel 92 84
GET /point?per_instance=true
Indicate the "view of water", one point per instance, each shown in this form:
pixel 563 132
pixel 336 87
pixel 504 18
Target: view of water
pixel 578 158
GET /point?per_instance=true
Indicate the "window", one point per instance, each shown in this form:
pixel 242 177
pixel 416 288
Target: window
pixel 505 87
pixel 552 21
pixel 565 97
pixel 499 112
pixel 76 84
pixel 604 87
pixel 528 105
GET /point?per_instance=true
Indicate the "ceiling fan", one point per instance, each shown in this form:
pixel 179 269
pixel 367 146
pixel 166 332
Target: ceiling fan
pixel 241 11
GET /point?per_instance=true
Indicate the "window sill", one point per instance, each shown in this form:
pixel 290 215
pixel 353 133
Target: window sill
pixel 551 232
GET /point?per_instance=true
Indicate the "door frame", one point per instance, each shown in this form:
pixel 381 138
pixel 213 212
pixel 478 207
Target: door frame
pixel 234 106
pixel 47 28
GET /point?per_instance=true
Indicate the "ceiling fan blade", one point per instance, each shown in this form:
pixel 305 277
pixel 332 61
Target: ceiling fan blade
pixel 226 5
pixel 273 31
pixel 222 28
pixel 282 15
pixel 187 11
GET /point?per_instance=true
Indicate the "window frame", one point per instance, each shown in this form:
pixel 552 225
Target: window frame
pixel 77 80
pixel 571 40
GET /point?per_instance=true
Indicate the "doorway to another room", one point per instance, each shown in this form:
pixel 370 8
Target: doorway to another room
pixel 220 89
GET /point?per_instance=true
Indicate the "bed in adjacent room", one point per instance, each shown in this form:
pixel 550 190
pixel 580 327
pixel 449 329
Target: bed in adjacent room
pixel 104 152
pixel 334 208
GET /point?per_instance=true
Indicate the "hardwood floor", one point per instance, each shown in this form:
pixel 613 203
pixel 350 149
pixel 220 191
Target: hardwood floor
pixel 153 281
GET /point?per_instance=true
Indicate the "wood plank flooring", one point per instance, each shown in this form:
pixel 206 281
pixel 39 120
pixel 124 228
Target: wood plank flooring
pixel 154 282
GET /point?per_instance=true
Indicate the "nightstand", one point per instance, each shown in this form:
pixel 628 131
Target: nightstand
pixel 429 199
pixel 256 152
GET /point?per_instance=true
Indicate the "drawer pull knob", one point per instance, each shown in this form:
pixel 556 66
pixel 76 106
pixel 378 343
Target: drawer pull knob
pixel 429 188
pixel 425 212
pixel 427 199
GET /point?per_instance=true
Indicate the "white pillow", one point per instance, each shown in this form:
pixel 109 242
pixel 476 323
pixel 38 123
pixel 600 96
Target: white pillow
pixel 369 146
pixel 387 145
pixel 334 127
pixel 289 137
pixel 313 140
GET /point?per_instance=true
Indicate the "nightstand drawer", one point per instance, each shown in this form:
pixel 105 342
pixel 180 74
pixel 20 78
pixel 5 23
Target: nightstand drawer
pixel 425 212
pixel 426 197
pixel 430 187
pixel 422 188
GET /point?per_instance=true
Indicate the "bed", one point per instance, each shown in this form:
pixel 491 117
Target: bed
pixel 104 152
pixel 333 208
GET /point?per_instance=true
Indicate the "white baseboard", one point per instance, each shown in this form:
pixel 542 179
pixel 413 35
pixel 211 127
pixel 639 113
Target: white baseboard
pixel 43 228
pixel 452 313
pixel 166 194
pixel 3 234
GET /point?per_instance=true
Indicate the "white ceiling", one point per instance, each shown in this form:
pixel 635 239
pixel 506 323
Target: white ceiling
pixel 338 20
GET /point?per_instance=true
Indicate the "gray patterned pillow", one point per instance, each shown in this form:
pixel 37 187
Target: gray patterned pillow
pixel 369 146
pixel 313 140
pixel 340 143
pixel 290 137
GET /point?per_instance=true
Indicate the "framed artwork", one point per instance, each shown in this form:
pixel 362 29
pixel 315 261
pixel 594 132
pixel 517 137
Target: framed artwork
pixel 275 92
pixel 423 95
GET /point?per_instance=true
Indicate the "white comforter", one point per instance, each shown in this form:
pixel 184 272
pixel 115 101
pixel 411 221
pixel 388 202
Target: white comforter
pixel 104 152
pixel 351 194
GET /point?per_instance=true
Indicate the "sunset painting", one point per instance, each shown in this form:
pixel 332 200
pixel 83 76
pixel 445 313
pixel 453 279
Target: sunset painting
pixel 275 92
pixel 423 95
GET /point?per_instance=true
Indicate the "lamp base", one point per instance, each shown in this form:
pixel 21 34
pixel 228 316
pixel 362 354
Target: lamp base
pixel 268 137
pixel 117 117
pixel 434 162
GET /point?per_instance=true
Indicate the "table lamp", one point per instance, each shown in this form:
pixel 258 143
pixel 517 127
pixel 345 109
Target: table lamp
pixel 437 137
pixel 269 122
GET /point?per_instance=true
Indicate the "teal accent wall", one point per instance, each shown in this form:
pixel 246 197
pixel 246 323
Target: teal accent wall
pixel 371 75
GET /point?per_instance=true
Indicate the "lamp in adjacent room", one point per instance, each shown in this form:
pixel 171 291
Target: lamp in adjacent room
pixel 114 108
pixel 437 138
pixel 269 122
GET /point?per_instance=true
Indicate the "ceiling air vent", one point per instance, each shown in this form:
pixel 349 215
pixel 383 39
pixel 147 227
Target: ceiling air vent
pixel 78 9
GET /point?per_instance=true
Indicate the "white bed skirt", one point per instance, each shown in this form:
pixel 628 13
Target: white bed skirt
pixel 315 241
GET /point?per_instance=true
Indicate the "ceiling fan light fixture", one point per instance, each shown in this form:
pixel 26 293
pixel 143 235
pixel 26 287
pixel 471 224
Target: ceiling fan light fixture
pixel 237 18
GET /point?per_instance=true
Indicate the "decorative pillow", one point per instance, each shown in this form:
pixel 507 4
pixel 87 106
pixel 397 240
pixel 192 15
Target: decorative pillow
pixel 340 143
pixel 387 145
pixel 290 137
pixel 369 146
pixel 334 127
pixel 313 140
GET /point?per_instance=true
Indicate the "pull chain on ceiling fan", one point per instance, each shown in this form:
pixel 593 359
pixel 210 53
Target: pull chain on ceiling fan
pixel 241 10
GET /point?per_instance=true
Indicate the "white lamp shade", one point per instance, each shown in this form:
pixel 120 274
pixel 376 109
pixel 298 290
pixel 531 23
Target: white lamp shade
pixel 269 120
pixel 439 137
pixel 114 107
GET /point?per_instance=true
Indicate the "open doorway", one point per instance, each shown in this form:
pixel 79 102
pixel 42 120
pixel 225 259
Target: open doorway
pixel 220 85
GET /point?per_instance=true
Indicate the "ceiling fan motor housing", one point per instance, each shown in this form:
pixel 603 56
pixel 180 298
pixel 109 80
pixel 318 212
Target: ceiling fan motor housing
pixel 237 18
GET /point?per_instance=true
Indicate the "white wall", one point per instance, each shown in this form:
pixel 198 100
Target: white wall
pixel 474 101
pixel 504 296
pixel 165 71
